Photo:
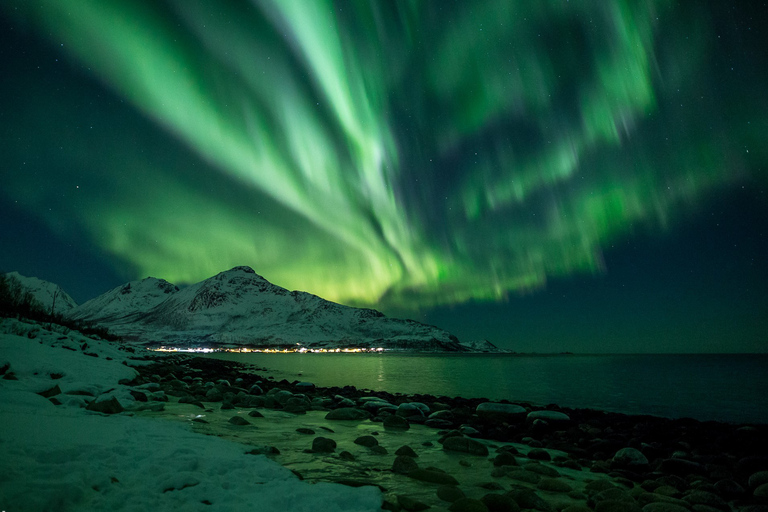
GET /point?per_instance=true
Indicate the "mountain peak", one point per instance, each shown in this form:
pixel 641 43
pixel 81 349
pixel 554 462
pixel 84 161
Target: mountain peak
pixel 241 268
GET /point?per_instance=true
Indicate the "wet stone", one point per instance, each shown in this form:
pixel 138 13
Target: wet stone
pixel 255 414
pixel 663 507
pixel 411 504
pixel 432 476
pixel 404 465
pixel 307 431
pixel 366 441
pixel 396 423
pixel 554 485
pixel 505 458
pixel 347 413
pixel 406 451
pixel 323 445
pixel 524 476
pixel 238 420
pixel 539 454
pixel 617 506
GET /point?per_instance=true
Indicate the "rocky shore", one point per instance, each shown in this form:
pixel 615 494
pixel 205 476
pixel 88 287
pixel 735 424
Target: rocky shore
pixel 484 455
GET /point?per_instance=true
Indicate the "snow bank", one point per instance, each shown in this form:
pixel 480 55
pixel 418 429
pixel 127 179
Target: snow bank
pixel 62 457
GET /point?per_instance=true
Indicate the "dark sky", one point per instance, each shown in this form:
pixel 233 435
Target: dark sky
pixel 552 176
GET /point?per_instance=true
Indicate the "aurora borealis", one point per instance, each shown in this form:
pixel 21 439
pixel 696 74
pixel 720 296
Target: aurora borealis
pixel 403 155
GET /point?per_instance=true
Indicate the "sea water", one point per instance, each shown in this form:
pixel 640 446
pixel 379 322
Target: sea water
pixel 730 388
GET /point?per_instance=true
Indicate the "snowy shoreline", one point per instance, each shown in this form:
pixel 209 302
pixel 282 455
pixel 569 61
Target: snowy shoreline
pixel 177 444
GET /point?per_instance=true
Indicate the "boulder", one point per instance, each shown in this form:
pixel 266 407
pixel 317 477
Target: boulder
pixel 238 420
pixel 431 475
pixel 111 406
pixel 404 465
pixel 630 458
pixel 449 493
pixel 367 441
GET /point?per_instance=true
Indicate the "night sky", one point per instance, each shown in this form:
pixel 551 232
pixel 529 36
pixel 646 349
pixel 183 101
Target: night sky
pixel 584 176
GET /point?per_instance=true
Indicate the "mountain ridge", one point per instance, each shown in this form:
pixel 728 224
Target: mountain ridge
pixel 238 307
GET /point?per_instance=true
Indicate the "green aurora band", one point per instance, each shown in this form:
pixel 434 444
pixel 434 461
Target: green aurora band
pixel 398 154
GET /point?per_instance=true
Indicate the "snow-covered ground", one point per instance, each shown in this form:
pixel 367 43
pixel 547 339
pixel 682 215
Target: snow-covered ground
pixel 64 457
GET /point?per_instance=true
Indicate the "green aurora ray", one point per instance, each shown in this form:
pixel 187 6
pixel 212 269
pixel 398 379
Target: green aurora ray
pixel 403 154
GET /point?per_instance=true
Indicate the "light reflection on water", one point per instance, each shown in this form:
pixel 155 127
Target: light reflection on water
pixel 717 387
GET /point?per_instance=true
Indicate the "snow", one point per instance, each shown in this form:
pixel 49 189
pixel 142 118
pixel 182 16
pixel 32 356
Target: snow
pixel 239 307
pixel 43 292
pixel 67 458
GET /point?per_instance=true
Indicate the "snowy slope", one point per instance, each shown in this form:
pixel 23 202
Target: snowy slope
pixel 43 292
pixel 125 303
pixel 65 458
pixel 240 307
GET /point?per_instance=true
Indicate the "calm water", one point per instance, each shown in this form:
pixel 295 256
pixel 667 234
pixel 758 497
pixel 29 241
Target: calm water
pixel 732 388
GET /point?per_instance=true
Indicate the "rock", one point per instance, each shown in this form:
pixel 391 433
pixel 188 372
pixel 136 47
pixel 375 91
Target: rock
pixel 411 409
pixel 465 445
pixel 498 411
pixel 255 390
pixel 48 393
pixel 468 505
pixel 500 503
pixel 612 494
pixel 539 454
pixel 404 465
pixel 396 423
pixel 406 451
pixel 681 467
pixel 111 406
pixel 411 504
pixel 323 445
pixel 729 488
pixel 345 455
pixel 630 458
pixel 449 493
pixel 598 486
pixel 577 508
pixel 439 424
pixel 505 459
pixel 430 475
pixel 367 441
pixel 542 469
pixel 255 414
pixel 651 497
pixel 307 431
pixel 442 415
pixel 617 506
pixel 469 431
pixel 213 395
pixel 491 486
pixel 524 476
pixel 226 405
pixel 758 479
pixel 761 492
pixel 554 485
pixel 750 465
pixel 238 420
pixel 348 413
pixel 706 498
pixel 549 416
pixel 663 507
pixel 526 498
pixel 304 386
pixel 378 450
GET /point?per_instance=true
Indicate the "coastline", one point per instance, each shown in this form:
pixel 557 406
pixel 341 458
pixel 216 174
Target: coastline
pixel 706 464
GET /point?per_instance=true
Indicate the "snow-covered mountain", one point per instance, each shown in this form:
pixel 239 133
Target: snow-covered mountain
pixel 482 346
pixel 44 291
pixel 239 307
pixel 125 303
